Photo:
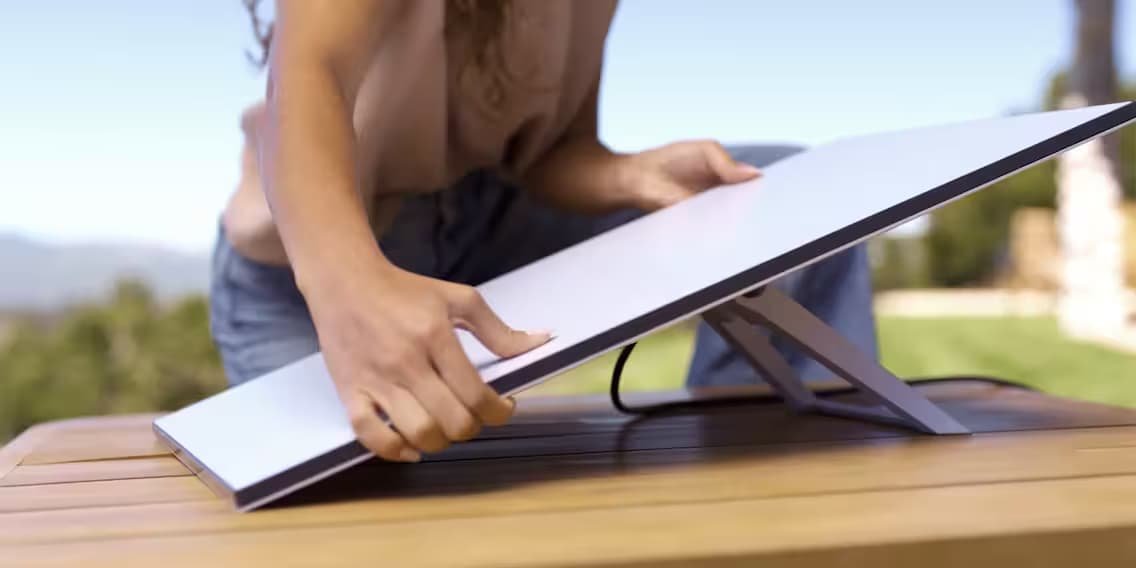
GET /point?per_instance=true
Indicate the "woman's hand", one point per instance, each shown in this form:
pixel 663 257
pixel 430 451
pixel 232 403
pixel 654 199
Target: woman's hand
pixel 656 178
pixel 388 337
pixel 581 174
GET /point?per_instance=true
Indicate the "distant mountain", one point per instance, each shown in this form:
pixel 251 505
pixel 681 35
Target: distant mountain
pixel 37 277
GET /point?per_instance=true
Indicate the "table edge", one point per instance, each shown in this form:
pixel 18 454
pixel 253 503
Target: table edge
pixel 12 453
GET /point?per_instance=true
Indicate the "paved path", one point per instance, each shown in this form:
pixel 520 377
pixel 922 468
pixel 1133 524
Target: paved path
pixel 988 302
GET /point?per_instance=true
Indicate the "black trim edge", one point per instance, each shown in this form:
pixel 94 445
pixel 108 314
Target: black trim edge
pixel 728 288
pixel 799 257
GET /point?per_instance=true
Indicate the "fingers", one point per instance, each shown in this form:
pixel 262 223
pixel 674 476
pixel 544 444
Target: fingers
pixel 456 421
pixel 464 381
pixel 724 166
pixel 426 413
pixel 417 426
pixel 469 311
pixel 667 194
pixel 374 434
pixel 425 384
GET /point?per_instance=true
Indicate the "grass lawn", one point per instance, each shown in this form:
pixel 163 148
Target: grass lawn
pixel 1026 350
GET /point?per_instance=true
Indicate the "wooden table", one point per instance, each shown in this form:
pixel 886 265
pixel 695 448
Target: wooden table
pixel 1048 482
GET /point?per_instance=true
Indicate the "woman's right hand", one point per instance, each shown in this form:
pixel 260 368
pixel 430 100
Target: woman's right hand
pixel 387 335
pixel 388 338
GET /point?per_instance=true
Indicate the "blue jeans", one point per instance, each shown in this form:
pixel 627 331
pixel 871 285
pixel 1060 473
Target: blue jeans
pixel 481 228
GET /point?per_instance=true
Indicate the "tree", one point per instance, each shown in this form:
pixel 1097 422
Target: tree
pixel 967 240
pixel 126 355
pixel 1090 221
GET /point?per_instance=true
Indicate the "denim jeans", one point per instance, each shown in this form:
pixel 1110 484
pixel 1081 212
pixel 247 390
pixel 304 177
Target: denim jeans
pixel 482 227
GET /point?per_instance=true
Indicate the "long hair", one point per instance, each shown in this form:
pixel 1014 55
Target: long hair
pixel 261 32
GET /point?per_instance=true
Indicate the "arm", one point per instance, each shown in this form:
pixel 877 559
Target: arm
pixel 387 335
pixel 580 174
pixel 320 52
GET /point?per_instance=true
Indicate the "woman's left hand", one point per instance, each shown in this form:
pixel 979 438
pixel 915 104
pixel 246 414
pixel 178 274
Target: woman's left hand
pixel 666 175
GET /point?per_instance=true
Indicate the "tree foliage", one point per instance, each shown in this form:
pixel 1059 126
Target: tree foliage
pixel 127 355
pixel 967 240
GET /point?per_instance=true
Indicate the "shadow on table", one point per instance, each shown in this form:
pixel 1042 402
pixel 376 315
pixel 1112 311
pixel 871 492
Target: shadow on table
pixel 585 438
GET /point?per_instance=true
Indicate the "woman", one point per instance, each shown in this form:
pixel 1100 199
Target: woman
pixel 382 179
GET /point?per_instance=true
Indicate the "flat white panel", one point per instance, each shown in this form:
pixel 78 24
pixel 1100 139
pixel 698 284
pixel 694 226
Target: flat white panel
pixel 290 416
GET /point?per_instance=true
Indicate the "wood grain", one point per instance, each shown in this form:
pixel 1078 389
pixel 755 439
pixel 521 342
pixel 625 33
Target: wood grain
pixel 81 439
pixel 101 493
pixel 74 445
pixel 505 487
pixel 570 482
pixel 94 470
pixel 752 530
pixel 13 453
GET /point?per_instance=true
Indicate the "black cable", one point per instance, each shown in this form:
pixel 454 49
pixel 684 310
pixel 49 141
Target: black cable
pixel 625 354
pixel 616 376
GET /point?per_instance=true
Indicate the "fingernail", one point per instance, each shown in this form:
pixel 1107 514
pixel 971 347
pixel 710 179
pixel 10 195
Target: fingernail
pixel 541 333
pixel 751 170
pixel 409 455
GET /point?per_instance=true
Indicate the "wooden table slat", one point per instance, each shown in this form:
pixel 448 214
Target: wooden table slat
pixel 96 470
pixel 76 446
pixel 750 530
pixel 504 487
pixel 102 493
pixel 571 482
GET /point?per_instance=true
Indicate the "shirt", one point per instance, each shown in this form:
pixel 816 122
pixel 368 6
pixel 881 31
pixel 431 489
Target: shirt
pixel 424 118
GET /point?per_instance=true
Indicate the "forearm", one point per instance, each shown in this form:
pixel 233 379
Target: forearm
pixel 309 168
pixel 581 174
pixel 308 164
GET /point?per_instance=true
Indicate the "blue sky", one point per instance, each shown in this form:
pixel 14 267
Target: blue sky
pixel 118 119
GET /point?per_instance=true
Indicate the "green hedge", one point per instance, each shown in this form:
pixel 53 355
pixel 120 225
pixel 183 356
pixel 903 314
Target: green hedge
pixel 126 355
pixel 967 241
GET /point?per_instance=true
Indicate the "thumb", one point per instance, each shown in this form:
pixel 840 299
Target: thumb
pixel 470 312
pixel 724 166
